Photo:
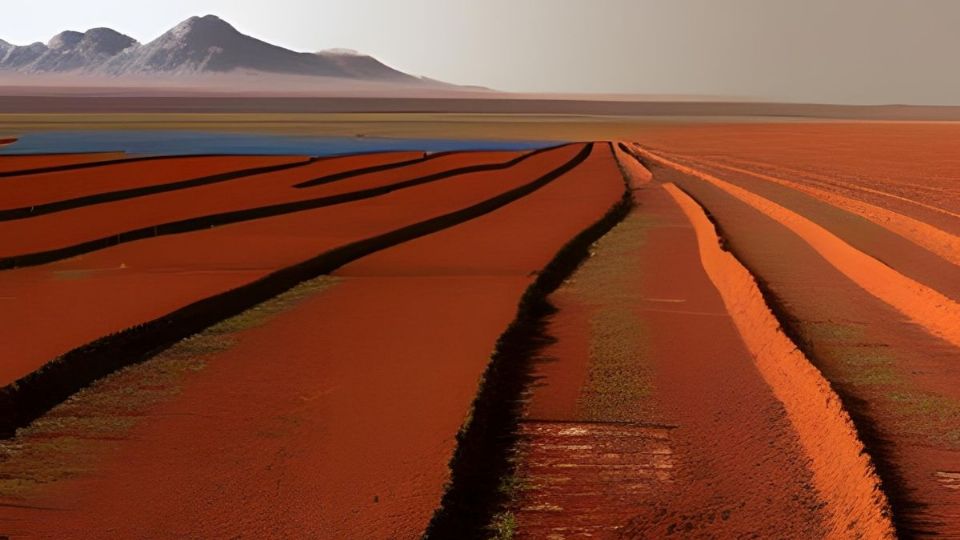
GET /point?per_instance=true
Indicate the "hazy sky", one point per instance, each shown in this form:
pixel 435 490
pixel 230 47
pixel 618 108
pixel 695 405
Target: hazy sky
pixel 841 51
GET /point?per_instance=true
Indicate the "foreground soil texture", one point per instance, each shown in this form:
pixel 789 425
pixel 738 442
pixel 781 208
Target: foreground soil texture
pixel 340 448
pixel 767 345
pixel 853 229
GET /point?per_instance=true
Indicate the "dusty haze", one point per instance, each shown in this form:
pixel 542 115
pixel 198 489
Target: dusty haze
pixel 856 51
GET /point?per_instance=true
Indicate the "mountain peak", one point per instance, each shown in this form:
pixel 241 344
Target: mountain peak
pixel 65 40
pixel 206 24
pixel 200 44
pixel 341 52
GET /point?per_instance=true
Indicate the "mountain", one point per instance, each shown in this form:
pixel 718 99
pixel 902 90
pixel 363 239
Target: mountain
pixel 198 45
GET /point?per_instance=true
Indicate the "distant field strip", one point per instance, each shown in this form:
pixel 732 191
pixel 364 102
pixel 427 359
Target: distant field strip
pixel 52 187
pixel 936 240
pixel 225 218
pixel 16 164
pixel 851 184
pixel 44 233
pixel 935 312
pixel 31 396
pixel 111 196
pixel 78 164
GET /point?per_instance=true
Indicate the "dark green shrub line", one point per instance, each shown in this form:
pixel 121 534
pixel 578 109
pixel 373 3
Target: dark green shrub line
pixel 119 195
pixel 483 456
pixel 249 214
pixel 33 395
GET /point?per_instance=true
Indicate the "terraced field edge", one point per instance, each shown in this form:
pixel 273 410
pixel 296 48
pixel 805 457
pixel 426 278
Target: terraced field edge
pixel 33 395
pixel 119 195
pixel 843 474
pixel 248 214
pixel 482 459
pixel 876 446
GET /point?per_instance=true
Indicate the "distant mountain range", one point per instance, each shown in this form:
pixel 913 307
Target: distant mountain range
pixel 197 46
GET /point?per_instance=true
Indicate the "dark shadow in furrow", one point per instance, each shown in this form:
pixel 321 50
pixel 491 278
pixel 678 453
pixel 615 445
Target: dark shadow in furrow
pixel 28 398
pixel 630 152
pixel 876 445
pixel 364 170
pixel 119 195
pixel 95 164
pixel 380 168
pixel 249 214
pixel 485 445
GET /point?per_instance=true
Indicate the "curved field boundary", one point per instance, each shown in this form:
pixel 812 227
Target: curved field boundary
pixel 80 225
pixel 482 457
pixel 34 394
pixel 637 175
pixel 14 163
pixel 820 178
pixel 380 168
pixel 365 170
pixel 226 218
pixel 842 471
pixel 121 194
pixel 103 163
pixel 935 240
pixel 928 308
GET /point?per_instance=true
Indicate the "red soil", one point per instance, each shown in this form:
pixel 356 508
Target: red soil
pixel 11 163
pixel 910 168
pixel 515 240
pixel 937 313
pixel 899 379
pixel 137 282
pixel 939 242
pixel 350 439
pixel 842 473
pixel 33 189
pixel 637 174
pixel 71 227
pixel 684 436
pixel 344 449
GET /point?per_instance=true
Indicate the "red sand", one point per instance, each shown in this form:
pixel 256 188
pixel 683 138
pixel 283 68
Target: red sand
pixel 137 282
pixel 911 168
pixel 684 436
pixel 935 312
pixel 13 162
pixel 637 174
pixel 358 427
pixel 898 377
pixel 71 227
pixel 842 473
pixel 493 244
pixel 350 439
pixel 939 242
pixel 33 189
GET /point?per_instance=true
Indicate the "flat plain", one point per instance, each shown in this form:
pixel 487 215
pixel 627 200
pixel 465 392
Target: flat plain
pixel 650 328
